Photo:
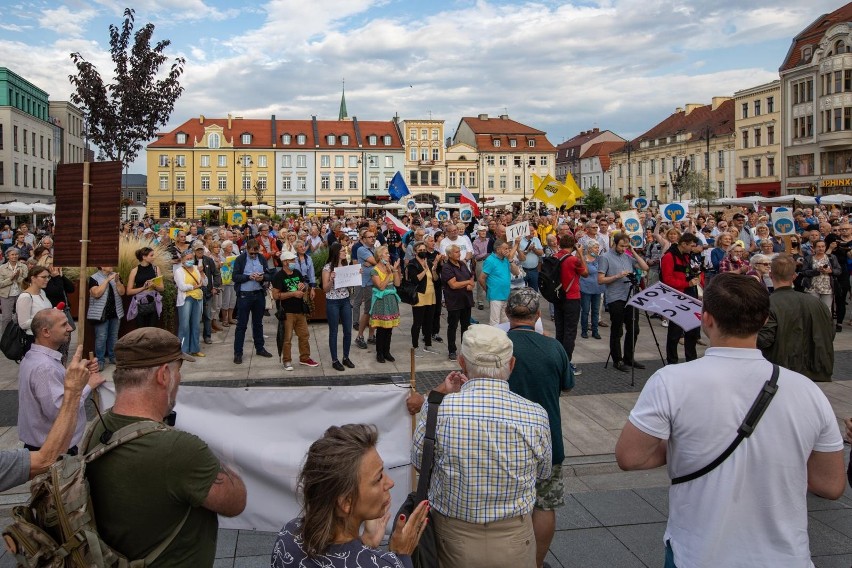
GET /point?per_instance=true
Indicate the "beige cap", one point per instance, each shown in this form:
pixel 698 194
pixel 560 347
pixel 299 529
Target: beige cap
pixel 486 346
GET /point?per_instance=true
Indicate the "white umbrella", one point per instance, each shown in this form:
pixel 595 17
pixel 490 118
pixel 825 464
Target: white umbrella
pixel 788 200
pixel 43 208
pixel 424 206
pixel 375 206
pixel 497 203
pixel 16 208
pixel 289 206
pixel 316 206
pixel 261 207
pixel 208 208
pixel 835 199
pixel 392 207
pixel 740 201
pixel 449 205
pixel 345 205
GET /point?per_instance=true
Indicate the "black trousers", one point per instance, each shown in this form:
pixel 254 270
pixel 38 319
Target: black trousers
pixel 690 340
pixel 841 289
pixel 454 319
pixel 624 318
pixel 423 317
pixel 383 341
pixel 567 316
pixel 436 316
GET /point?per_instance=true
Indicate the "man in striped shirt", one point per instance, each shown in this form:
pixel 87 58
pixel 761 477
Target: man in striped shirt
pixel 491 446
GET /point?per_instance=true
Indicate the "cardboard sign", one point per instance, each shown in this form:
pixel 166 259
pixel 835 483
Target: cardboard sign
pixel 236 217
pixel 667 302
pixel 782 222
pixel 345 276
pixel 442 215
pixel 465 213
pixel 675 211
pixel 640 203
pixel 633 227
pixel 521 229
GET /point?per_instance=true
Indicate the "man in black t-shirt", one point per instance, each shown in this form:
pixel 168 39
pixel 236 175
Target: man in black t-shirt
pixel 841 247
pixel 290 289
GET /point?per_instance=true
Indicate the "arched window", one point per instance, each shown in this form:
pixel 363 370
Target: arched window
pixel 213 140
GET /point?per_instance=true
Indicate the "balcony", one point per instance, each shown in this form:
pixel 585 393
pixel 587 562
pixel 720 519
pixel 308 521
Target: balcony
pixel 426 163
pixel 835 139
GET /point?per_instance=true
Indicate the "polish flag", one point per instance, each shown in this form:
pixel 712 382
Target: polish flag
pixel 467 199
pixel 396 224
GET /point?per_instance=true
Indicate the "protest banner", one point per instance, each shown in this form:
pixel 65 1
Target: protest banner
pixel 345 276
pixel 640 203
pixel 782 222
pixel 633 227
pixel 521 229
pixel 667 302
pixel 674 211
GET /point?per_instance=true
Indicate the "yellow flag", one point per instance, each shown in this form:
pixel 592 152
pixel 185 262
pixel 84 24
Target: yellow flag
pixel 551 191
pixel 572 185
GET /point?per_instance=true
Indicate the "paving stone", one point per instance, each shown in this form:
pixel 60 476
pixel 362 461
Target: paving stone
pixel 226 543
pixel 252 543
pixel 838 519
pixel 645 541
pixel 816 503
pixel 622 507
pixel 825 541
pixel 592 548
pixel 223 563
pixel 657 497
pixel 839 561
pixel 253 561
pixel 574 516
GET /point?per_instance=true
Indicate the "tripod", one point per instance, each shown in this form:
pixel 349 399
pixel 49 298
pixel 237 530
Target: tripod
pixel 634 287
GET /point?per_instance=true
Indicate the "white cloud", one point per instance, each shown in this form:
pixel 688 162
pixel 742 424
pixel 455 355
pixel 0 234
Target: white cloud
pixel 14 27
pixel 66 22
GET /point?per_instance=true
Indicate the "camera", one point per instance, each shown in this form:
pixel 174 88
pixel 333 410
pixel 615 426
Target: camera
pixel 632 279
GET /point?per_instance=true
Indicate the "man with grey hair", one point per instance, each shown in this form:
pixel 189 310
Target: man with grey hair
pixel 542 371
pixel 491 447
pixel 167 477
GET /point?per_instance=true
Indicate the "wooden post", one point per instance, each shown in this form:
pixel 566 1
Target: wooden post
pixel 84 251
pixel 413 389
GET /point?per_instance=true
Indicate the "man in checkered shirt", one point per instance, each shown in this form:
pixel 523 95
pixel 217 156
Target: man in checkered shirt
pixel 491 446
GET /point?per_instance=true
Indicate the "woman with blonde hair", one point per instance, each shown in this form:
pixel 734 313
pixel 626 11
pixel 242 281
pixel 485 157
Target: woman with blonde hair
pixel 384 307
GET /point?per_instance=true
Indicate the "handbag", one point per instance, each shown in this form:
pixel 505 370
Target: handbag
pixel 15 342
pixel 146 306
pixel 426 553
pixel 755 413
pixel 407 291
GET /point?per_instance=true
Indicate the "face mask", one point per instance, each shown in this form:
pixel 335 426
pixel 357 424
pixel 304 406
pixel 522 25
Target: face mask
pixel 189 263
pixel 422 255
pixel 292 266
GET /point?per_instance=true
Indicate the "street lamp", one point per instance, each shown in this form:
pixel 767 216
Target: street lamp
pixel 629 168
pixel 363 161
pixel 245 161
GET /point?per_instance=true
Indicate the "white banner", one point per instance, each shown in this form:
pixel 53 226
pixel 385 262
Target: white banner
pixel 264 434
pixel 521 229
pixel 782 222
pixel 667 302
pixel 345 276
pixel 674 211
pixel 633 227
pixel 465 213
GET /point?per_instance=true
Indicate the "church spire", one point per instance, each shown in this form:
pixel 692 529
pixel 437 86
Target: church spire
pixel 343 115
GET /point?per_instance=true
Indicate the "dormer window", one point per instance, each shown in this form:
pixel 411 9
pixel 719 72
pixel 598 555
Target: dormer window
pixel 331 139
pixel 301 139
pixel 531 143
pixel 496 142
pixel 181 138
pixel 372 139
pixel 213 140
pixel 286 139
pixel 344 140
pixel 807 52
pixel 245 138
pixel 387 140
pixel 513 143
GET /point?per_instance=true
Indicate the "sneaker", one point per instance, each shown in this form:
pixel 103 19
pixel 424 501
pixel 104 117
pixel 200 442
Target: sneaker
pixel 309 363
pixel 437 339
pixel 473 321
pixel 101 366
pixel 238 359
pixel 348 363
pixel 428 349
pixel 208 341
pixel 453 356
pixel 838 328
pixel 288 366
pixel 361 343
pixel 355 326
pixel 584 335
pixel 603 324
pixel 596 335
pixel 389 357
pixel 479 306
pixel 264 353
pixel 199 354
pixel 337 366
pixel 577 372
pixel 371 340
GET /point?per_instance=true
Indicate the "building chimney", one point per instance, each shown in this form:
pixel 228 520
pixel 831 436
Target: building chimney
pixel 717 101
pixel 201 119
pixel 274 132
pixel 678 110
pixel 483 117
pixel 504 117
pixel 596 130
pixel 692 106
pixel 229 120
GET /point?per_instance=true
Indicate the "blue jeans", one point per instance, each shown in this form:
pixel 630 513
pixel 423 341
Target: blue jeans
pixel 669 556
pixel 189 325
pixel 588 301
pixel 531 278
pixel 254 304
pixel 106 334
pixel 337 312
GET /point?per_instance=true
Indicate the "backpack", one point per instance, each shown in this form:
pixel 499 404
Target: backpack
pixel 550 279
pixel 57 529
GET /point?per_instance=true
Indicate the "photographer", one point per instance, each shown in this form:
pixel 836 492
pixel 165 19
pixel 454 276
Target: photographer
pixel 841 247
pixel 616 271
pixel 677 271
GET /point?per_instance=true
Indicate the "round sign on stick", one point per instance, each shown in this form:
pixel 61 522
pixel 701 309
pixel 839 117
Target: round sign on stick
pixel 636 241
pixel 466 214
pixel 632 225
pixel 442 215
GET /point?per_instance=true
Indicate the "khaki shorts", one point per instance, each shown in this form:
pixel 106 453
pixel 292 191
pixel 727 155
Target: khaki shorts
pixel 550 493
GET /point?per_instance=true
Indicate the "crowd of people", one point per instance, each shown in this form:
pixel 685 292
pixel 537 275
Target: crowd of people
pixel 767 300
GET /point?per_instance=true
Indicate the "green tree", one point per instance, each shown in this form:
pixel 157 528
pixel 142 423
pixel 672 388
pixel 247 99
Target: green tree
pixel 124 114
pixel 595 200
pixel 692 184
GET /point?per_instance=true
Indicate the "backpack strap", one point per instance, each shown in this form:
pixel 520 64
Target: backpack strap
pixel 428 458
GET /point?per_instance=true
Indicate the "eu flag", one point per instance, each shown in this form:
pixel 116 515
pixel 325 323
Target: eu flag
pixel 397 188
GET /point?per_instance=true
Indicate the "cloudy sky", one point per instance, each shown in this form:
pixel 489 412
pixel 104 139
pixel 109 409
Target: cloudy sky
pixel 563 67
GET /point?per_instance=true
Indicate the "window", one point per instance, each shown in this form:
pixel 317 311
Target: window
pixel 181 138
pixel 503 182
pixel 205 182
pixel 286 139
pixel 353 161
pixel 15 140
pixel 770 135
pixel 412 134
pixel 374 182
pixel 770 166
pixel 325 161
pixel 286 161
pixel 338 181
pixel 496 142
pixel 286 182
pixel 222 161
pixel 163 160
pixel 517 182
pixel 721 188
pixel 424 154
pixel 757 137
pixel 353 181
pixel 434 134
pixel 639 168
pixel 517 161
pixel 180 182
pixel 745 138
pixel 424 134
pixel 325 181
pixel 387 140
pixel 435 154
pixel 181 161
pixel 801 165
pixel 471 175
pixel 838 81
pixel 261 182
pixel 847 118
pixel 434 177
pixel 388 161
pixel 246 182
pixel 847 81
pixel 301 139
pixel 490 182
pixel 757 107
pixel 414 177
pixel 412 154
pixel 489 160
pixel 503 160
pixel 424 177
pixel 40 143
pixel 301 183
pixel 139 197
pixel 261 161
pixel 452 179
pixel 513 143
pixel 531 143
pixel 330 139
pixel 745 168
pixel 245 138
pixel 720 159
pixel 301 161
pixel 461 179
pixel 770 104
pixel 653 166
pixel 745 110
pixel 223 182
pixel 532 161
pixel 371 140
pixel 205 161
pixel 758 167
pixel 165 211
pixel 213 140
pixel 620 171
pixel 838 119
pixel 15 172
pixel 387 183
pixel 837 162
pixel 338 161
pixel 662 166
pixel 164 181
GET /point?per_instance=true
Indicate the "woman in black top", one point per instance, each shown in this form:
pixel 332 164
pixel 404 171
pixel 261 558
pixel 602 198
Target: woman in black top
pixel 58 287
pixel 142 288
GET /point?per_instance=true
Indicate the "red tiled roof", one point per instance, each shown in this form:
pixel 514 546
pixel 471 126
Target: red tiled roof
pixel 602 150
pixel 720 121
pixel 486 131
pixel 497 125
pixel 812 35
pixel 261 131
pixel 379 128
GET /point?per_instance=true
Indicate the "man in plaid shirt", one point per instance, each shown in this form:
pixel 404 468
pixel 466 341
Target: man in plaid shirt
pixel 491 446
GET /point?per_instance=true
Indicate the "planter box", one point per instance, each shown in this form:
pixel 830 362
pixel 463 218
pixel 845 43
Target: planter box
pixel 319 313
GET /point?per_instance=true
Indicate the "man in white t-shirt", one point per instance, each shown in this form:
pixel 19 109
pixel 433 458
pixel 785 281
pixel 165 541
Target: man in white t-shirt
pixel 751 509
pixel 461 241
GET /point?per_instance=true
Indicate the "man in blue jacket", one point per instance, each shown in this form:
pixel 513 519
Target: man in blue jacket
pixel 250 272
